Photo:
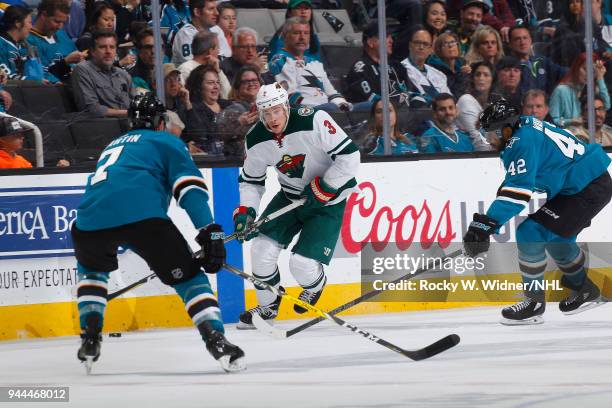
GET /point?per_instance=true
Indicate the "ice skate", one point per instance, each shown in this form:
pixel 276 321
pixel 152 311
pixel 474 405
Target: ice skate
pixel 231 357
pixel 91 343
pixel 527 312
pixel 310 297
pixel 267 312
pixel 585 298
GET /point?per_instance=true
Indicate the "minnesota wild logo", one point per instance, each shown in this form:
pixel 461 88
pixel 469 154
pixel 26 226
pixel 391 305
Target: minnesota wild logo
pixel 292 166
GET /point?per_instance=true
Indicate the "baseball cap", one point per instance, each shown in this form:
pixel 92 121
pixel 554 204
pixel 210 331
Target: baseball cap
pixel 294 3
pixel 10 126
pixel 371 30
pixel 169 68
pixel 475 3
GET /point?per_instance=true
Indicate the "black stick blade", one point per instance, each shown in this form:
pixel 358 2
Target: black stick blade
pixel 435 348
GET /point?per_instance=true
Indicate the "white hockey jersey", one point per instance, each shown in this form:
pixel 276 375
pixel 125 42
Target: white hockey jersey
pixel 181 44
pixel 312 145
pixel 305 78
pixel 428 83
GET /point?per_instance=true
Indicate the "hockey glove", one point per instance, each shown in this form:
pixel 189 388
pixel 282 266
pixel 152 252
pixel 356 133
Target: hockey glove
pixel 211 239
pixel 243 217
pixel 318 193
pixel 477 237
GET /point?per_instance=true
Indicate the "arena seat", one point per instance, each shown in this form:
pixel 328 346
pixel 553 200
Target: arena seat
pixel 259 20
pixel 278 17
pixel 95 133
pixel 47 102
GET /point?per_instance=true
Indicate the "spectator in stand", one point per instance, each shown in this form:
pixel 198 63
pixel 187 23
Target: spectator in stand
pixel 541 16
pixel 444 135
pixel 603 132
pixel 499 16
pixel 508 79
pixel 244 92
pixel 244 52
pixel 401 144
pixel 241 115
pixel 56 51
pixel 11 141
pixel 603 21
pixel 536 71
pixel 124 19
pixel 227 23
pixel 447 59
pixel 142 72
pixel 426 80
pixel 565 108
pixel 177 99
pixel 102 18
pixel 535 104
pixel 486 46
pixel 434 17
pixel 205 49
pixel 76 19
pixel 204 16
pixel 568 41
pixel 6 99
pixel 14 58
pixel 472 103
pixel 101 88
pixel 470 19
pixel 306 79
pixel 363 79
pixel 201 132
pixel 175 14
pixel 302 9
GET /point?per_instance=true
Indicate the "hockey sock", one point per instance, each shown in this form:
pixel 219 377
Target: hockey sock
pixel 532 268
pixel 200 303
pixel 570 259
pixel 265 252
pixel 92 290
pixel 307 272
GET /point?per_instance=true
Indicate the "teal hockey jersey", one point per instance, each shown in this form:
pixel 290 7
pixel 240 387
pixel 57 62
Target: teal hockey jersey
pixel 52 50
pixel 541 157
pixel 136 177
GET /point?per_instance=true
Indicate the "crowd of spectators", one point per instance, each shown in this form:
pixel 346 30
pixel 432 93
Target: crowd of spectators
pixel 447 61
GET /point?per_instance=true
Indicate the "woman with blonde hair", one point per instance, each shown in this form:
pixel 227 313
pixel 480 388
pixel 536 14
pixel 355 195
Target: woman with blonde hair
pixel 486 46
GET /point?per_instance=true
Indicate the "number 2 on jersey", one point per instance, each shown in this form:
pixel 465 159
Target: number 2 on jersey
pixel 101 173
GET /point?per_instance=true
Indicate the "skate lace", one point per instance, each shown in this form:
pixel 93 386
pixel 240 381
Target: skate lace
pixel 263 311
pixel 520 306
pixel 307 296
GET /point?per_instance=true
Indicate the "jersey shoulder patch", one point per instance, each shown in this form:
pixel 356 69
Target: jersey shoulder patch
pixel 305 111
pixel 257 134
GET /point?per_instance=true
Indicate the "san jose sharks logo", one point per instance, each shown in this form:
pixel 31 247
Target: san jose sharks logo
pixel 292 166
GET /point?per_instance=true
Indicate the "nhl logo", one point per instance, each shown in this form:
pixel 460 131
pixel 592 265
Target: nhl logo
pixel 177 273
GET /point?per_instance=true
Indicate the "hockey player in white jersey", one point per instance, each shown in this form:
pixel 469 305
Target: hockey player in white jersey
pixel 314 159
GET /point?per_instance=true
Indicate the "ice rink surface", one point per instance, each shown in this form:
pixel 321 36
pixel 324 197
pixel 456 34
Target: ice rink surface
pixel 566 362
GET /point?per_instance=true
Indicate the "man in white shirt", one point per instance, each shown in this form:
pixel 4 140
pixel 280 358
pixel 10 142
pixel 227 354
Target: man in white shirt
pixel 204 17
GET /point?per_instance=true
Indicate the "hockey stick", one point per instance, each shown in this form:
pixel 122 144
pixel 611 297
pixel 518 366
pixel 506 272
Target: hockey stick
pixel 435 348
pixel 249 229
pixel 278 333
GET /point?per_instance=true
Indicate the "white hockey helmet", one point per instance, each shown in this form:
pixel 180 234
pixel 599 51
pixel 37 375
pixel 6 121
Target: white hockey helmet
pixel 269 96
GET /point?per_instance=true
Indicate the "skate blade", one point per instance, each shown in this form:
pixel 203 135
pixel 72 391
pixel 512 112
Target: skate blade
pixel 600 301
pixel 88 363
pixel 245 326
pixel 525 322
pixel 236 366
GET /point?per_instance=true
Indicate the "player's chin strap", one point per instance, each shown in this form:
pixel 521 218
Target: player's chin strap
pixel 248 230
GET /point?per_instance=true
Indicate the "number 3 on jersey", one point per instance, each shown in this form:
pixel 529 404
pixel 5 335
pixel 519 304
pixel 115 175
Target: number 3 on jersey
pixel 330 127
pixel 101 174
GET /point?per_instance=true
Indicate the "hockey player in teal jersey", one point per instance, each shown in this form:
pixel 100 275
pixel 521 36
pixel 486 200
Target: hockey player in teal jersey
pixel 540 157
pixel 125 204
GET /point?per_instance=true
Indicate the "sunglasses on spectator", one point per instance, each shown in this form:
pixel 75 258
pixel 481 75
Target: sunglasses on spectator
pixel 146 47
